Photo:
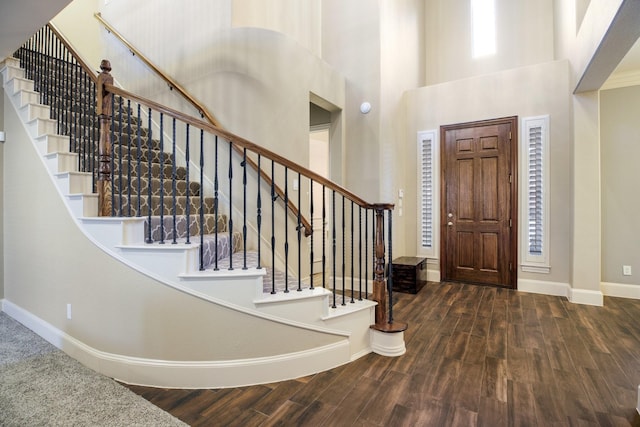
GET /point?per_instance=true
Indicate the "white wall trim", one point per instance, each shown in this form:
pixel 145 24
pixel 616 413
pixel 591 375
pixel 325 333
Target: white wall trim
pixel 188 374
pixel 621 290
pixel 544 287
pixel 587 297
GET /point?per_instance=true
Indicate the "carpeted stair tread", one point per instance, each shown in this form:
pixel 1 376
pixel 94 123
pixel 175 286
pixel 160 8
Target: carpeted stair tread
pixel 123 203
pixel 181 226
pixel 143 186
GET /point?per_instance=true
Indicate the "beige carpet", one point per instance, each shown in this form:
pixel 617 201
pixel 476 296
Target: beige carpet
pixel 42 386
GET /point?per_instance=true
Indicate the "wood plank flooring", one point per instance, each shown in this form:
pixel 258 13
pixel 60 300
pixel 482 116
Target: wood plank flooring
pixel 475 356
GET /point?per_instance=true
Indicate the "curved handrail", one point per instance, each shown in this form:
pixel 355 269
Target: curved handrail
pixel 202 110
pixel 244 143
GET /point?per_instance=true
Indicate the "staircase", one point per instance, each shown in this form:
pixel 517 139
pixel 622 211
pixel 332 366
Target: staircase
pixel 185 242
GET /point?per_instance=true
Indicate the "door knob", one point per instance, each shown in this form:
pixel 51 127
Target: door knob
pixel 449 223
pixel 450 215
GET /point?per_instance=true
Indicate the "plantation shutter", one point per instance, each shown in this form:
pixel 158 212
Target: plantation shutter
pixel 536 190
pixel 426 162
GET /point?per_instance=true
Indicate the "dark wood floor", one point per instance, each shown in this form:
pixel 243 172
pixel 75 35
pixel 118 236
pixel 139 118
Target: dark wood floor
pixel 475 356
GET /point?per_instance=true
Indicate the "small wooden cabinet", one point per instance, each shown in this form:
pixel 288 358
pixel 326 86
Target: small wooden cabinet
pixel 409 274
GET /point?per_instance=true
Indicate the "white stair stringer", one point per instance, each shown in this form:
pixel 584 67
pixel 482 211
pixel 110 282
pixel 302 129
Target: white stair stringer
pixel 177 265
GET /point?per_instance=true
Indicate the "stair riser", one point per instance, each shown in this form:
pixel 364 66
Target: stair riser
pixel 75 183
pixel 40 127
pixel 34 111
pixel 61 162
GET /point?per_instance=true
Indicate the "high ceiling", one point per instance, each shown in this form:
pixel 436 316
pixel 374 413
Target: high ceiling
pixel 19 19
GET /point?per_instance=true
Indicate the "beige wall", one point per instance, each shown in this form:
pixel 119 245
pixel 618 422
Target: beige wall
pixel 301 22
pixel 114 309
pixel 82 29
pixel 522 33
pixel 528 91
pixel 620 151
pixel 2 194
pixel 257 82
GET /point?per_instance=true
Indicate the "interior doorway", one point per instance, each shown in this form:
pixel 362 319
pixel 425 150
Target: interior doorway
pixel 479 202
pixel 319 163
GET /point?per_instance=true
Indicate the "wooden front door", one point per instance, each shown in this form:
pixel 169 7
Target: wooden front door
pixel 479 200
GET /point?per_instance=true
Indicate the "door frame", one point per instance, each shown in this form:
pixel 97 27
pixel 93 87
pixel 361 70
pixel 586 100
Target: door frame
pixel 513 161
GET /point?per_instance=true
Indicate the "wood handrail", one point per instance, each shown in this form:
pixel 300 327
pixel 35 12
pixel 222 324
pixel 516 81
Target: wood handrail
pixel 91 72
pixel 171 82
pixel 250 146
pixel 204 112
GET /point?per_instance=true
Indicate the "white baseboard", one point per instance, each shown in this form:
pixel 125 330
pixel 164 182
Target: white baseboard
pixel 544 287
pixel 187 374
pixel 620 290
pixel 577 296
pixel 587 297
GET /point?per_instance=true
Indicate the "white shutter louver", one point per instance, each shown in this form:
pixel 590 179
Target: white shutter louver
pixel 536 202
pixel 426 162
pixel 535 186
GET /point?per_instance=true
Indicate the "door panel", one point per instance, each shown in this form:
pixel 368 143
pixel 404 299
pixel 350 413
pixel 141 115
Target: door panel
pixel 478 191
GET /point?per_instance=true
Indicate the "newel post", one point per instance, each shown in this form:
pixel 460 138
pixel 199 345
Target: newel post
pixel 104 108
pixel 383 318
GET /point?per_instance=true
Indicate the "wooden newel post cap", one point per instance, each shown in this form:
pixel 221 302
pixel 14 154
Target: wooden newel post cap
pixel 105 65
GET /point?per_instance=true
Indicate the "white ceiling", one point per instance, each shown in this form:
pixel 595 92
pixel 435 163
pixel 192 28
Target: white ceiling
pixel 20 19
pixel 631 62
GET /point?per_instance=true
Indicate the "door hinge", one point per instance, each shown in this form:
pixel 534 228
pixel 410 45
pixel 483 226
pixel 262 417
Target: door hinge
pixel 510 266
pixel 510 178
pixel 509 135
pixel 510 223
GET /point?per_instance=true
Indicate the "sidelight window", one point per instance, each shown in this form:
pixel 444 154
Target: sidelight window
pixel 427 189
pixel 535 209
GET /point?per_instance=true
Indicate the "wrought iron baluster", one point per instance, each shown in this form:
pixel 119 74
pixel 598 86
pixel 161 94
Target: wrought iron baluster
pixel 230 206
pixel 390 268
pixel 120 108
pixel 312 229
pixel 273 227
pixel 299 229
pixel 344 297
pixel 259 212
pixel 324 235
pixel 150 174
pixel 139 162
pixel 286 229
pixel 352 251
pixel 244 208
pixel 174 189
pixel 366 252
pixel 333 245
pixel 161 186
pixel 359 253
pixel 215 206
pixel 202 201
pixel 188 198
pixel 128 157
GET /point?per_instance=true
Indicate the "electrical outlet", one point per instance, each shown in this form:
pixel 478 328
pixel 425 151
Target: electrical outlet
pixel 626 270
pixel 69 311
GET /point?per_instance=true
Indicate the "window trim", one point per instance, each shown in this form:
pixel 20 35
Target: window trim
pixel 532 262
pixel 432 136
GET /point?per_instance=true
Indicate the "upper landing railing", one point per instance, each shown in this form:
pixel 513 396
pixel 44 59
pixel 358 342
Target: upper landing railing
pixel 154 162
